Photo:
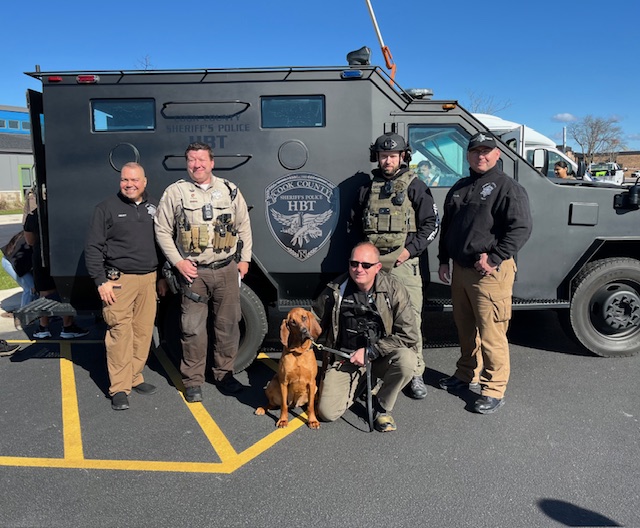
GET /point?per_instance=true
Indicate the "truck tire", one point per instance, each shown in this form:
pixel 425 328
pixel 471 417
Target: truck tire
pixel 253 328
pixel 605 307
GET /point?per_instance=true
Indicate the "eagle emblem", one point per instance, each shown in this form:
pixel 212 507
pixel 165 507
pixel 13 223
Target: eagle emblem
pixel 302 227
pixel 302 211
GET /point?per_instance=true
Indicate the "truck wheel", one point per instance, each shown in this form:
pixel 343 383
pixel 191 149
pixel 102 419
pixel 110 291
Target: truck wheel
pixel 605 307
pixel 253 328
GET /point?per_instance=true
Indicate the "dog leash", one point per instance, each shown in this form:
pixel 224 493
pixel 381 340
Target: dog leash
pixel 367 365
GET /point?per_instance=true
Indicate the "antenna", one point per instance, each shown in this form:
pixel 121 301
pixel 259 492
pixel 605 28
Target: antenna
pixel 386 53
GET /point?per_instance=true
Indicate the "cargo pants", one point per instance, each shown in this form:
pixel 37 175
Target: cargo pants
pixel 342 378
pixel 222 290
pixel 130 323
pixel 482 310
pixel 408 273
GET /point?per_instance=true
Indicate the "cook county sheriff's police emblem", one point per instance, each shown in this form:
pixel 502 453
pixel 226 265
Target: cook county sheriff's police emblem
pixel 302 210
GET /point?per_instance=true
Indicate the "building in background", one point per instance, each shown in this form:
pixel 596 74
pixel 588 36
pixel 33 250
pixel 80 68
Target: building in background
pixel 16 159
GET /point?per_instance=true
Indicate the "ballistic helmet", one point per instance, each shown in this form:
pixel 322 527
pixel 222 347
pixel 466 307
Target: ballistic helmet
pixel 389 142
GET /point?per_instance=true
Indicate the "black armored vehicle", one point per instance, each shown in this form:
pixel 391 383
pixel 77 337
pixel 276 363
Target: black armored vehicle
pixel 296 142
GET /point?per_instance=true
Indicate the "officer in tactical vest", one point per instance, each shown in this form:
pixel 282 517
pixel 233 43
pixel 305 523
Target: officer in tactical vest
pixel 201 225
pixel 399 216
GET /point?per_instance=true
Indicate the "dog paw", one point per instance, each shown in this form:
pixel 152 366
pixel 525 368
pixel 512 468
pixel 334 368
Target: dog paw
pixel 259 411
pixel 313 424
pixel 283 422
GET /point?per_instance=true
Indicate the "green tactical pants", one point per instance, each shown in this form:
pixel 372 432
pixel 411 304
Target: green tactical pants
pixel 409 275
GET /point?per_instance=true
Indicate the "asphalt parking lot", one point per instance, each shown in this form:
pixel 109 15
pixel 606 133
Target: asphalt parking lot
pixel 561 452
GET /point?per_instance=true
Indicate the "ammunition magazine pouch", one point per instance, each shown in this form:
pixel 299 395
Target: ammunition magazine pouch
pixel 389 214
pixel 225 235
pixel 198 227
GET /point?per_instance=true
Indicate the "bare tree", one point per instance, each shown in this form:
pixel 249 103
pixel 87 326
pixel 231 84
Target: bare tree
pixel 485 104
pixel 614 148
pixel 596 135
pixel 144 63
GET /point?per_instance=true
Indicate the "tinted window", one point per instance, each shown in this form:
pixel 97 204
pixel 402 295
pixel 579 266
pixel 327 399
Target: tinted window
pixel 445 149
pixel 109 115
pixel 293 112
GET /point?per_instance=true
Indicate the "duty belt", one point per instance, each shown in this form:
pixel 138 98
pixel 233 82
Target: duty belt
pixel 218 264
pixel 386 251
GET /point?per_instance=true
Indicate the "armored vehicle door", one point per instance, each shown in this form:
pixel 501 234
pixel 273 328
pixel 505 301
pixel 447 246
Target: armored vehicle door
pixel 34 101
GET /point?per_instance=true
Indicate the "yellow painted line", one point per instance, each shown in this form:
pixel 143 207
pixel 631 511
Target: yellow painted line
pixel 71 429
pixel 72 432
pixel 119 465
pixel 214 434
pixel 269 441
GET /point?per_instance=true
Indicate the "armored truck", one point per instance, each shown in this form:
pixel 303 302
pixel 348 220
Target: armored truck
pixel 296 142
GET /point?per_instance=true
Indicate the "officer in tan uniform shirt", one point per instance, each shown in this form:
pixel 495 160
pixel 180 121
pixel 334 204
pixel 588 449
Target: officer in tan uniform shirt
pixel 200 224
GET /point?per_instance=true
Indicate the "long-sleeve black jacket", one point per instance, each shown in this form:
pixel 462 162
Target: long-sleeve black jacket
pixel 484 213
pixel 427 218
pixel 121 235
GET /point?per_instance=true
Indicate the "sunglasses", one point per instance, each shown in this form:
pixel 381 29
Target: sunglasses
pixel 365 265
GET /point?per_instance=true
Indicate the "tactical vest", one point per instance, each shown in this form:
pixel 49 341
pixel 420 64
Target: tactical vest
pixel 206 224
pixel 389 215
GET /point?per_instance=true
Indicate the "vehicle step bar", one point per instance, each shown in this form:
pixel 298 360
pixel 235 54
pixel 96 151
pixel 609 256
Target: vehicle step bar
pixel 41 308
pixel 445 305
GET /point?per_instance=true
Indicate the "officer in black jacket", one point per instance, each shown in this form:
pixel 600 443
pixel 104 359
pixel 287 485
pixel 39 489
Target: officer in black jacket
pixel 122 258
pixel 486 221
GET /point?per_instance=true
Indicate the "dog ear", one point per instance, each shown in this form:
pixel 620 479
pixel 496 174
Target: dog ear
pixel 284 333
pixel 314 327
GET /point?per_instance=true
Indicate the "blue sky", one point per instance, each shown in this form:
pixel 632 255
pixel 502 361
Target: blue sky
pixel 550 61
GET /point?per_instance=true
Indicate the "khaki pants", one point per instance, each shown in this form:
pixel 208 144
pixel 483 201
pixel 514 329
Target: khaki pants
pixel 222 289
pixel 341 380
pixel 130 329
pixel 482 310
pixel 409 275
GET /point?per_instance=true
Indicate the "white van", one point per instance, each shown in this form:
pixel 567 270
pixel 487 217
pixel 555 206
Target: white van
pixel 525 140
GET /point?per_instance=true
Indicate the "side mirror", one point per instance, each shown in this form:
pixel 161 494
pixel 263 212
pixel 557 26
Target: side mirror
pixel 541 160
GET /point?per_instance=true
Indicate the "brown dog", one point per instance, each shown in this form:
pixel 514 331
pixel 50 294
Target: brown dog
pixel 295 383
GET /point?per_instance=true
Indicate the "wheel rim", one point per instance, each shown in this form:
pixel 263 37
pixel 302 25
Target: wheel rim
pixel 615 309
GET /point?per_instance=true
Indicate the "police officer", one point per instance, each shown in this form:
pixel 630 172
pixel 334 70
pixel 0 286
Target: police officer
pixel 200 225
pixel 486 222
pixel 400 218
pixel 387 332
pixel 122 259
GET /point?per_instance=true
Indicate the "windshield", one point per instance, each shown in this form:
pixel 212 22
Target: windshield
pixel 439 154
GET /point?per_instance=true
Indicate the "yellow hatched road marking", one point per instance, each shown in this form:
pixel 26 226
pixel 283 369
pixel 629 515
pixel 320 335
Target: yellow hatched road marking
pixel 216 437
pixel 72 431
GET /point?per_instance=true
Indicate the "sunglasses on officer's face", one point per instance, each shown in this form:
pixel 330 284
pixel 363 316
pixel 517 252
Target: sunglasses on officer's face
pixel 365 265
